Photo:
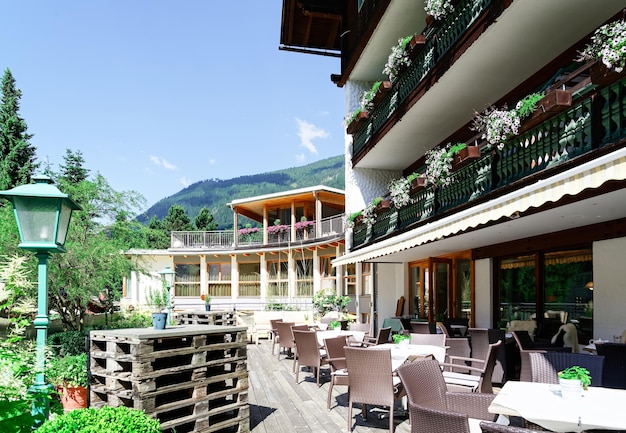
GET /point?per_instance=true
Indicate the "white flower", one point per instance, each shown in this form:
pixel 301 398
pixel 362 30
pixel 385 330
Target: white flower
pixel 398 57
pixel 438 9
pixel 608 44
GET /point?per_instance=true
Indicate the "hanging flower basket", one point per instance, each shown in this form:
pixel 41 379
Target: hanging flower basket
pixel 357 123
pixel 465 156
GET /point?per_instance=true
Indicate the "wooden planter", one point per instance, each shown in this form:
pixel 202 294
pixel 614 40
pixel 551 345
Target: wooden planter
pixel 554 102
pixel 603 76
pixel 415 45
pixel 382 206
pixel 465 156
pixel 359 121
pixel 417 184
pixel 382 91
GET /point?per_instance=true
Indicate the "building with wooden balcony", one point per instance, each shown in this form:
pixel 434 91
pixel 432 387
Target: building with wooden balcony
pixel 281 253
pixel 532 227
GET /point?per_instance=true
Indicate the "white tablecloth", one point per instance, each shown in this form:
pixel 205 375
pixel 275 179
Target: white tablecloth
pixel 356 335
pixel 401 352
pixel 541 403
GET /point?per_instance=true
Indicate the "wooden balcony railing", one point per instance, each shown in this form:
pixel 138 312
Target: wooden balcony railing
pixel 596 118
pixel 225 239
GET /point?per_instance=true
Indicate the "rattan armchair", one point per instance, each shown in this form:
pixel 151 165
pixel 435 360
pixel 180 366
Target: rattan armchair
pixel 274 332
pixel 428 420
pixel 428 339
pixel 492 427
pixel 337 361
pixel 614 374
pixel 544 367
pixel 371 381
pixel 308 353
pixel 382 337
pixel 526 346
pixel 475 377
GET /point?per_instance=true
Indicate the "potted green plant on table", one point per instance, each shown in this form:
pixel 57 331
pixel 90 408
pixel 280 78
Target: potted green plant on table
pixel 401 339
pixel 207 301
pixel 335 325
pixel 157 300
pixel 68 375
pixel 573 381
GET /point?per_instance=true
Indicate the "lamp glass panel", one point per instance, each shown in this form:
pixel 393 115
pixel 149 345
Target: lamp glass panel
pixel 37 218
pixel 64 223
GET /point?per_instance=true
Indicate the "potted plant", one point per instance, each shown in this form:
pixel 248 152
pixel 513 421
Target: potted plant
pixel 354 218
pixel 399 58
pixel 68 375
pixel 157 299
pixel 356 120
pixel 439 165
pixel 573 381
pixel 438 9
pixel 400 192
pixel 207 301
pixel 335 325
pixel 401 339
pixel 607 49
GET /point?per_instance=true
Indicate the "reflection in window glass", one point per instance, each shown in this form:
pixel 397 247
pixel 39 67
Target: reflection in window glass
pixel 187 280
pixel 349 284
pixel 249 279
pixel 517 289
pixel 366 272
pixel 464 289
pixel 328 274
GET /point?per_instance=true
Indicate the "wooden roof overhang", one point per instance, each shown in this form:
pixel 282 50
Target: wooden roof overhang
pixel 312 26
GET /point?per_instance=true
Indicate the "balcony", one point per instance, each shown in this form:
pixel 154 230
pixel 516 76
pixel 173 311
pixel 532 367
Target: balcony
pixel 549 143
pixel 228 240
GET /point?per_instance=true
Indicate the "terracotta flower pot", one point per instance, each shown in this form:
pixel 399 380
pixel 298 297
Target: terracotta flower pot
pixel 73 397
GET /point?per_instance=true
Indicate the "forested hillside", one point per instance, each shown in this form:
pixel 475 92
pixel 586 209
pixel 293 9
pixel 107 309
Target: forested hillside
pixel 216 193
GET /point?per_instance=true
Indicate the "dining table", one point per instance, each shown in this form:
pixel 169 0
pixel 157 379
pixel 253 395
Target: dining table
pixel 401 353
pixel 356 336
pixel 543 404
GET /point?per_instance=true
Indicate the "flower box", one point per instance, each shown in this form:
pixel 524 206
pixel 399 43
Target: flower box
pixel 418 183
pixel 382 206
pixel 415 45
pixel 383 89
pixel 554 102
pixel 357 123
pixel 603 76
pixel 465 156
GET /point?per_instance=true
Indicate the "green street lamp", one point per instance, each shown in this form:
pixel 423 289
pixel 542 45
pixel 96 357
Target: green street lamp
pixel 167 275
pixel 43 216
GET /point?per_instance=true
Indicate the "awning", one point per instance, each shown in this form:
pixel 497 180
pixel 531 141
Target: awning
pixel 571 182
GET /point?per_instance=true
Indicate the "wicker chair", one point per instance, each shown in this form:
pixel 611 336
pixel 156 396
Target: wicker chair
pixel 544 367
pixel 526 346
pixel 285 336
pixel 371 381
pixel 421 328
pixel 308 353
pixel 425 386
pixel 429 420
pixel 337 361
pixel 492 427
pixel 614 374
pixel 428 339
pixel 382 337
pixel 274 332
pixel 458 347
pixel 475 377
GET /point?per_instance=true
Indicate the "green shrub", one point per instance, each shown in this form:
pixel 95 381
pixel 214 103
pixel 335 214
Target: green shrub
pixel 70 370
pixel 68 343
pixel 104 420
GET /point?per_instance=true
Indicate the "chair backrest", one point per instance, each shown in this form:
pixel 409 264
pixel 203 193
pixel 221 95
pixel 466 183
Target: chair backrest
pixel 429 420
pixel 544 367
pixel 485 385
pixel 458 346
pixel 400 306
pixel 285 335
pixel 335 352
pixel 361 327
pixel 614 374
pixel 429 339
pixel 494 427
pixel 424 383
pixel 306 345
pixel 523 340
pixel 383 335
pixel 420 328
pixel 273 323
pixel 370 376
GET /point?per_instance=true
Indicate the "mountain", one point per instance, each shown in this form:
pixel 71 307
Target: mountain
pixel 216 193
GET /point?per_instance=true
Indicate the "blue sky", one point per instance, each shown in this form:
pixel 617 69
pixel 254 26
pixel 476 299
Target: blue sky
pixel 161 94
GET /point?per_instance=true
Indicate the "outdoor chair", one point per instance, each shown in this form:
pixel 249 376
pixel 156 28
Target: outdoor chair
pixel 285 337
pixel 421 328
pixel 308 353
pixel 457 346
pixel 475 377
pixel 526 346
pixel 480 339
pixel 429 420
pixel 545 366
pixel 382 337
pixel 425 386
pixel 614 373
pixel 428 339
pixel 274 332
pixel 336 357
pixel 492 427
pixel 371 381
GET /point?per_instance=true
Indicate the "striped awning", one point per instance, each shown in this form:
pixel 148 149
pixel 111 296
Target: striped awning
pixel 571 182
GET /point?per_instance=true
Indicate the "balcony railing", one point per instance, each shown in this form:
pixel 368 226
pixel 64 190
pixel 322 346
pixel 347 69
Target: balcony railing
pixel 225 239
pixel 596 118
pixel 438 43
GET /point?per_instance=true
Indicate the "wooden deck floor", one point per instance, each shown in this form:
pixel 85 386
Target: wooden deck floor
pixel 278 404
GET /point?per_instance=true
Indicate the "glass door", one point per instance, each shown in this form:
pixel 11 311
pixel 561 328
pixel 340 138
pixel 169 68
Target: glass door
pixel 440 287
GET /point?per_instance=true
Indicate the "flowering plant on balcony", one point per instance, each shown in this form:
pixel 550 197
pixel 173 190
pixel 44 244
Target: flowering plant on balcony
pixel 439 165
pixel 367 98
pixel 398 58
pixel 278 228
pixel 303 224
pixel 248 230
pixel 438 9
pixel 399 191
pixel 608 44
pixel 353 218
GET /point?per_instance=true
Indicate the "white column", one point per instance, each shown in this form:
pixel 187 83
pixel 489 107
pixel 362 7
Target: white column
pixel 264 279
pixel 204 279
pixel 234 271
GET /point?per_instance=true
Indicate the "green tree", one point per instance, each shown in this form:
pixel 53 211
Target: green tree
pixel 177 219
pixel 158 235
pixel 204 220
pixel 72 171
pixel 17 154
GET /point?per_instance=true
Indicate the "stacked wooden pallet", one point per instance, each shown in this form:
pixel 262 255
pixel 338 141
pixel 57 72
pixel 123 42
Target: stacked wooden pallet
pixel 190 377
pixel 200 317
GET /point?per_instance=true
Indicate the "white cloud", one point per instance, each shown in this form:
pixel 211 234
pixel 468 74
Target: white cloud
pixel 162 162
pixel 184 181
pixel 307 133
pixel 300 157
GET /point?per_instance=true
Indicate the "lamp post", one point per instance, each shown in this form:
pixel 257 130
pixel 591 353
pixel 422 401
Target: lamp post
pixel 167 275
pixel 43 216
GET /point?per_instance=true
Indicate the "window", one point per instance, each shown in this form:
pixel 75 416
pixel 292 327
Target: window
pixel 517 289
pixel 349 280
pixel 219 276
pixel 366 272
pixel 187 281
pixel 249 279
pixel 278 276
pixel 304 277
pixel 328 275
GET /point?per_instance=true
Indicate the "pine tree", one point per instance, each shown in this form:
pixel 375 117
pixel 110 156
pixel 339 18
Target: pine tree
pixel 73 170
pixel 17 154
pixel 204 220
